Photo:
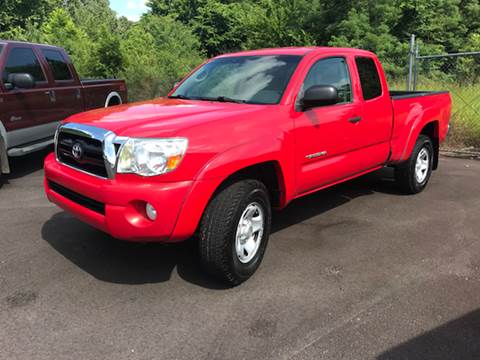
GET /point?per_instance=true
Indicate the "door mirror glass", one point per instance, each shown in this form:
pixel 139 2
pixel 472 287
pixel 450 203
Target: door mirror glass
pixel 320 95
pixel 22 80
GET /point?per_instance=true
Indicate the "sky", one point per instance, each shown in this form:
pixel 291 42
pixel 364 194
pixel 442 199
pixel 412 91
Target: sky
pixel 131 9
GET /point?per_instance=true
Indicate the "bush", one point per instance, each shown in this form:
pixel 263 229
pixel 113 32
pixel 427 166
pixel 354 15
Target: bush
pixel 157 52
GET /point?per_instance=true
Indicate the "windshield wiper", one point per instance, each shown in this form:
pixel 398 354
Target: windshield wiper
pixel 218 98
pixel 182 97
pixel 221 99
pixel 228 99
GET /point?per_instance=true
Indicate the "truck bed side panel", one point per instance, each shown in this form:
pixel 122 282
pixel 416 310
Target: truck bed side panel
pixel 411 115
pixel 97 91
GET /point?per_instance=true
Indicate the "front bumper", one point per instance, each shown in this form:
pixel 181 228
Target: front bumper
pixel 118 204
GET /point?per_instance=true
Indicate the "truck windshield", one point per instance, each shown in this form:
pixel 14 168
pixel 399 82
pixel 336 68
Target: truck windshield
pixel 243 79
pixel 1 48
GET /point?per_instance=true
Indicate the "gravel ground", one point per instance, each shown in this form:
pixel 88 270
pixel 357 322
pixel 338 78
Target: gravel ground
pixel 354 272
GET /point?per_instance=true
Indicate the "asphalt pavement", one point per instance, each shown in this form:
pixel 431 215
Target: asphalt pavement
pixel 358 271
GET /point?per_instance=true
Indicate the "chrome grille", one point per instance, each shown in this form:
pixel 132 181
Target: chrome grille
pixel 86 148
pixel 92 158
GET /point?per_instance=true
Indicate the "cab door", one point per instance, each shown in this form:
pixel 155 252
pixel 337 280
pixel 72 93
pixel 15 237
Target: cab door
pixel 67 93
pixel 375 127
pixel 325 135
pixel 25 111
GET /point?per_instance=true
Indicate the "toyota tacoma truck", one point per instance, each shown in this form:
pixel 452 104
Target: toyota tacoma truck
pixel 39 88
pixel 241 135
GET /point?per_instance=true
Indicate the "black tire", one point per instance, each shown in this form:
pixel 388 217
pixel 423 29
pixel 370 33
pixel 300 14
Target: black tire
pixel 218 230
pixel 114 101
pixel 405 174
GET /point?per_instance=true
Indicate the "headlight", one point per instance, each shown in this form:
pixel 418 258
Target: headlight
pixel 150 157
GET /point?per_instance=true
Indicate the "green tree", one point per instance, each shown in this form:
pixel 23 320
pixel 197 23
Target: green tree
pixel 223 27
pixel 99 22
pixel 158 51
pixel 367 26
pixel 182 10
pixel 436 22
pixel 107 58
pixel 277 23
pixel 18 13
pixel 60 30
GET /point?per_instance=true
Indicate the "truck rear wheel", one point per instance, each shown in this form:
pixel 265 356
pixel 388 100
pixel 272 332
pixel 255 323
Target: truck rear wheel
pixel 412 176
pixel 234 231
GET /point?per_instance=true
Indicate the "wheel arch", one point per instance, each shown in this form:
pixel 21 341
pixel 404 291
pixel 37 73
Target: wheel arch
pixel 114 98
pixel 270 172
pixel 431 129
pixel 4 165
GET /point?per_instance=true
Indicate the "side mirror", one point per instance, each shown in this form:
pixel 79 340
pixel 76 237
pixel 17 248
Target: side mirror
pixel 21 80
pixel 320 95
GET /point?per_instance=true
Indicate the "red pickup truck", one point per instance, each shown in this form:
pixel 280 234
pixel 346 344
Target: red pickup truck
pixel 39 88
pixel 242 134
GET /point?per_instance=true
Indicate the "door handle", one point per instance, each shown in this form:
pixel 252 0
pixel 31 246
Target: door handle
pixel 355 120
pixel 51 94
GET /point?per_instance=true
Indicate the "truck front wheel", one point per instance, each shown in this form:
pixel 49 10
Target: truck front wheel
pixel 234 231
pixel 412 176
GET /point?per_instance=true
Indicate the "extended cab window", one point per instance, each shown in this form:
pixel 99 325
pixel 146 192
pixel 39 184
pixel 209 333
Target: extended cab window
pixel 332 72
pixel 57 65
pixel 369 79
pixel 23 60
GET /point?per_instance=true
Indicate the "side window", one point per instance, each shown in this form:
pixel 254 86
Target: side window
pixel 23 60
pixel 331 71
pixel 57 65
pixel 369 79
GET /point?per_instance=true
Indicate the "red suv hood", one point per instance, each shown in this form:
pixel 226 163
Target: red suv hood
pixel 161 117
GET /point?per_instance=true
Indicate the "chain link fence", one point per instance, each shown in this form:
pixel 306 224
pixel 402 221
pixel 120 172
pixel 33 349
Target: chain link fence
pixel 458 73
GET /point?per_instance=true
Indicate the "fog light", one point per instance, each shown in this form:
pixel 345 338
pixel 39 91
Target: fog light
pixel 151 212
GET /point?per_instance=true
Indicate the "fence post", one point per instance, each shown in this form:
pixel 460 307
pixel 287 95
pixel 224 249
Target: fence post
pixel 415 67
pixel 411 55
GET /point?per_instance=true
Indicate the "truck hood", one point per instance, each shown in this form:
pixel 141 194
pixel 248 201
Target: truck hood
pixel 161 117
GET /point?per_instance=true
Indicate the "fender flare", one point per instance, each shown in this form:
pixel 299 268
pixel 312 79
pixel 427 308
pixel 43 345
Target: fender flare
pixel 413 136
pixel 4 165
pixel 112 95
pixel 213 175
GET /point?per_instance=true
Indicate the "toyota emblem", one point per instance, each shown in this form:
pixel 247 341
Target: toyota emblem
pixel 77 151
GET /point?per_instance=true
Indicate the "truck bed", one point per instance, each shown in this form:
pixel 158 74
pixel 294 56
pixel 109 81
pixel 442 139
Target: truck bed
pixel 409 108
pixel 87 82
pixel 97 91
pixel 398 95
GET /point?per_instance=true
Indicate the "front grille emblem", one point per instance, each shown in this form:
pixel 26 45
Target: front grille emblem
pixel 77 151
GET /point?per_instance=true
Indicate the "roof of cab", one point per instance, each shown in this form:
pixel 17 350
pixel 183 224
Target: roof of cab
pixel 26 43
pixel 299 51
